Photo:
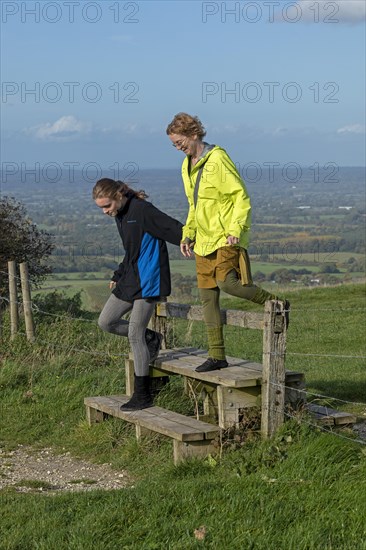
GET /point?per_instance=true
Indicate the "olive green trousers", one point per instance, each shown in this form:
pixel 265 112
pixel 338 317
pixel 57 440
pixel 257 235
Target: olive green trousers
pixel 210 298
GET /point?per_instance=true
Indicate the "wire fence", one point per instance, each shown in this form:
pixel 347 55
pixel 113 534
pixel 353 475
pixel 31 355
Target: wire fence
pixel 305 393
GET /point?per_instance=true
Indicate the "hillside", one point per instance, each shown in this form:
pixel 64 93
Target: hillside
pixel 311 217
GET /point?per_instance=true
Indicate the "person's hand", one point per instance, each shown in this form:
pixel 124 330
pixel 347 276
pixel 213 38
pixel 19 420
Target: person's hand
pixel 232 240
pixel 112 284
pixel 186 247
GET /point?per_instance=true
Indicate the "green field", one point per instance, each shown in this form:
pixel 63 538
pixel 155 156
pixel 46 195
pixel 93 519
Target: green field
pixel 303 490
pixel 95 289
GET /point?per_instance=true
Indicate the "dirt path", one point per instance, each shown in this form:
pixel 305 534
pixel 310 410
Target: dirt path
pixel 41 470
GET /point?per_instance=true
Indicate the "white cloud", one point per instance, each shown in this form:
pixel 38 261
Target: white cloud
pixel 65 128
pixel 352 129
pixel 323 11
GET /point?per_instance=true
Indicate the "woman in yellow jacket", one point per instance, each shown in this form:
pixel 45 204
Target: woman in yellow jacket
pixel 217 229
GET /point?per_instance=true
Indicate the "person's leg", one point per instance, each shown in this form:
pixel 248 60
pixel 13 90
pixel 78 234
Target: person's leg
pixel 139 319
pixel 210 298
pixel 232 285
pixel 110 321
pixel 140 316
pixel 110 317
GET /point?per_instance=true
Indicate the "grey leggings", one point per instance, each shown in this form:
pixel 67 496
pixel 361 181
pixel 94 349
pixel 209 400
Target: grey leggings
pixel 141 311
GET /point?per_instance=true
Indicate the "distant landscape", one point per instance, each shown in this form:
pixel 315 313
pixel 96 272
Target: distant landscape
pixel 308 226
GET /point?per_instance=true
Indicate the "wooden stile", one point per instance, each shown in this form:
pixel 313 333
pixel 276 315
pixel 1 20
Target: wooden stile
pixel 226 392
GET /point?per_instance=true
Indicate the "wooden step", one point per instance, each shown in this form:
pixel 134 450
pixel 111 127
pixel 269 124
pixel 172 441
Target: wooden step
pixel 330 417
pixel 241 373
pixel 191 437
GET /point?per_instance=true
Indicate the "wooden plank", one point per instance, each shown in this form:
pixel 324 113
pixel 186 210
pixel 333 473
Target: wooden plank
pixel 231 401
pixel 245 319
pixel 156 419
pixel 331 416
pixel 129 373
pixel 190 449
pixel 241 373
pixel 94 416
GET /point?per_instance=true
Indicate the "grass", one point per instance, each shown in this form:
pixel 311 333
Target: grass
pixel 304 489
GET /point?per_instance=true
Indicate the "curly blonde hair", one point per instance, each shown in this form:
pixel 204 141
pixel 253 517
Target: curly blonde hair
pixel 186 125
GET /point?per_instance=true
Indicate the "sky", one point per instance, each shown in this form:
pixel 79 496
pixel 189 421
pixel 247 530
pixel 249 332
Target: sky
pixel 93 85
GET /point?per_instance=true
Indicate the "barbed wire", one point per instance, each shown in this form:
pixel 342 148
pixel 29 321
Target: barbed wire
pixel 317 426
pixel 273 354
pixel 77 350
pixel 96 353
pixel 192 353
pixel 292 309
pixel 321 355
pixel 305 391
pixel 37 309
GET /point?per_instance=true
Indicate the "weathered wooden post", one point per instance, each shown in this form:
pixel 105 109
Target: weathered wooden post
pixel 160 323
pixel 273 378
pixel 27 302
pixel 13 299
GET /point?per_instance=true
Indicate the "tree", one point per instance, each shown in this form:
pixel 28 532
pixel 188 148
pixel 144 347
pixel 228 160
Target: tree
pixel 329 268
pixel 58 303
pixel 21 241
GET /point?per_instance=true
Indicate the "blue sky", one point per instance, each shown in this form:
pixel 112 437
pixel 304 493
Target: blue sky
pixel 273 82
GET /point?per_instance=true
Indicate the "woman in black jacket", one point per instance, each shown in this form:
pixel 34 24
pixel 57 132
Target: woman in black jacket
pixel 141 280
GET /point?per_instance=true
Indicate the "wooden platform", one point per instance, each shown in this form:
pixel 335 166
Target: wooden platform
pixel 240 373
pixel 191 437
pixel 330 417
pixel 225 392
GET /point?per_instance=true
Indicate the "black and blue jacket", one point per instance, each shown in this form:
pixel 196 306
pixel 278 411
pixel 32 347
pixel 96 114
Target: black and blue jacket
pixel 144 271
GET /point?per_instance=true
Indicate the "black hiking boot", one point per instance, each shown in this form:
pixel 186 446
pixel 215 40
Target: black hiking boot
pixel 141 398
pixel 153 341
pixel 212 364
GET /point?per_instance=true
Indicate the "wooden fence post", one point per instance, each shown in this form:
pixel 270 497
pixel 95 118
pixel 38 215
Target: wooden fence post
pixel 27 303
pixel 159 324
pixel 13 299
pixel 273 379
